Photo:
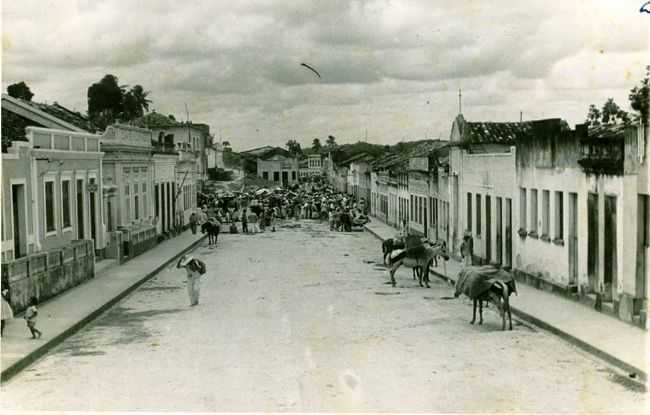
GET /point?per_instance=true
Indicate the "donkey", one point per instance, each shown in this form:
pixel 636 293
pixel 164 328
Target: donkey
pixel 499 295
pixel 212 228
pixel 419 260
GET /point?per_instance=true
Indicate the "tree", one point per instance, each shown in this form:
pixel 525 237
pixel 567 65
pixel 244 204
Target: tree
pixel 294 147
pixel 640 97
pixel 135 103
pixel 593 116
pixel 171 117
pixel 105 100
pixel 611 113
pixel 316 145
pixel 20 90
pixel 331 142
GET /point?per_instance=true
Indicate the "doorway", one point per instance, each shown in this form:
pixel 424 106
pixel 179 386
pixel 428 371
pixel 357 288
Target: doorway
pixel 499 223
pixel 508 259
pixel 592 240
pixel 573 239
pixel 19 223
pixel 488 229
pixel 285 178
pixel 609 276
pixel 80 210
pixel 93 214
pixel 643 241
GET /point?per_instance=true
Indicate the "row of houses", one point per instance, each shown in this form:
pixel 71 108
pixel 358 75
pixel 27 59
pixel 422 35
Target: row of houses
pixel 567 210
pixel 123 189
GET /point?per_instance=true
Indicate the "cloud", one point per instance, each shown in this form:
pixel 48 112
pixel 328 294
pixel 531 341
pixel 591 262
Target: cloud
pixel 392 67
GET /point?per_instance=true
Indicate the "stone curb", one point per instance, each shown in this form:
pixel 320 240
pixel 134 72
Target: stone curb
pixel 23 363
pixel 613 360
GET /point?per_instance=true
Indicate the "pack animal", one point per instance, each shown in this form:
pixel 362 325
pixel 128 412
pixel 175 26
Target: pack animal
pixel 419 260
pixel 493 290
pixel 212 229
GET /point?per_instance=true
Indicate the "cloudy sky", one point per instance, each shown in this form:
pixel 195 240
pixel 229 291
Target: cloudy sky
pixel 391 69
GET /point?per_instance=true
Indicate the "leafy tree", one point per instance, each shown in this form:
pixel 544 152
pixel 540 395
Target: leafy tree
pixel 294 147
pixel 640 97
pixel 135 103
pixel 105 101
pixel 109 101
pixel 316 145
pixel 171 117
pixel 593 116
pixel 331 142
pixel 611 113
pixel 20 90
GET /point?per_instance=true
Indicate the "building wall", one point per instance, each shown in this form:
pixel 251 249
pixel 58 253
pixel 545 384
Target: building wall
pixel 272 170
pixel 493 175
pixel 62 157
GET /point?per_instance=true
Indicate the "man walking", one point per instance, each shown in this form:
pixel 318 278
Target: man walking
pixel 194 269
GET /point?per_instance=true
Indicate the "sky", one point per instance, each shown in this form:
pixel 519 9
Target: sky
pixel 390 70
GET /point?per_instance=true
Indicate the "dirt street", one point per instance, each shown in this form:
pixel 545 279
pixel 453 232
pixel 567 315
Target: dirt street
pixel 302 320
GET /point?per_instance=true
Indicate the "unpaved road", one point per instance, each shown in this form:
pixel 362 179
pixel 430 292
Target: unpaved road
pixel 302 320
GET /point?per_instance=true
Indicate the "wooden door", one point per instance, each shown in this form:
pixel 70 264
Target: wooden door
pixel 592 240
pixel 573 238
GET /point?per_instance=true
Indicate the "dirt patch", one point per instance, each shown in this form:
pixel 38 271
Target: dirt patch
pixel 385 293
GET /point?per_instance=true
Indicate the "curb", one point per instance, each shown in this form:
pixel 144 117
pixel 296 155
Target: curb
pixel 613 360
pixel 23 363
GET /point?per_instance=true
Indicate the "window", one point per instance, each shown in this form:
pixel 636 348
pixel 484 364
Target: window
pixel 522 208
pixel 533 210
pixel 559 215
pixel 265 175
pixel 421 215
pixel 469 212
pixel 546 214
pixel 276 176
pixel 65 204
pixel 137 207
pixel 293 175
pixel 478 215
pixel 50 218
pixel 412 207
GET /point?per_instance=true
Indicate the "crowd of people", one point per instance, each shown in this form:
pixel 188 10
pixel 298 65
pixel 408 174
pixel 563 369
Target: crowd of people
pixel 262 209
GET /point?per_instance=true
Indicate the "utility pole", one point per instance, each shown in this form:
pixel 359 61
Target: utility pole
pixel 521 116
pixel 460 101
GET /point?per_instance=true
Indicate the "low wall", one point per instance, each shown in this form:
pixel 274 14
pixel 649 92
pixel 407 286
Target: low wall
pixel 45 274
pixel 128 243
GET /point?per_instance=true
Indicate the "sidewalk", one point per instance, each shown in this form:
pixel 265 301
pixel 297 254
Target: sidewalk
pixel 68 312
pixel 610 339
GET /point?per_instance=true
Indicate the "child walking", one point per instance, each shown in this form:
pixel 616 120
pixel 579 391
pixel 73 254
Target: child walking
pixel 30 317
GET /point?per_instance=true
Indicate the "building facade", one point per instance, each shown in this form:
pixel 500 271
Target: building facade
pixel 51 177
pixel 583 214
pixel 279 166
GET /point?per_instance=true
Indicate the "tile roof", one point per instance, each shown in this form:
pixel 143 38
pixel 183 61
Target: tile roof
pixel 62 113
pixel 358 156
pixel 607 132
pixel 496 132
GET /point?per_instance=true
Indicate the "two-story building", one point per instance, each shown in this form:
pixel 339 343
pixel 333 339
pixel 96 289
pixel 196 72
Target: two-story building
pixel 279 166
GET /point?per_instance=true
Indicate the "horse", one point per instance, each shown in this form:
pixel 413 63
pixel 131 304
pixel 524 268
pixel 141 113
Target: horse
pixel 420 260
pixel 212 229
